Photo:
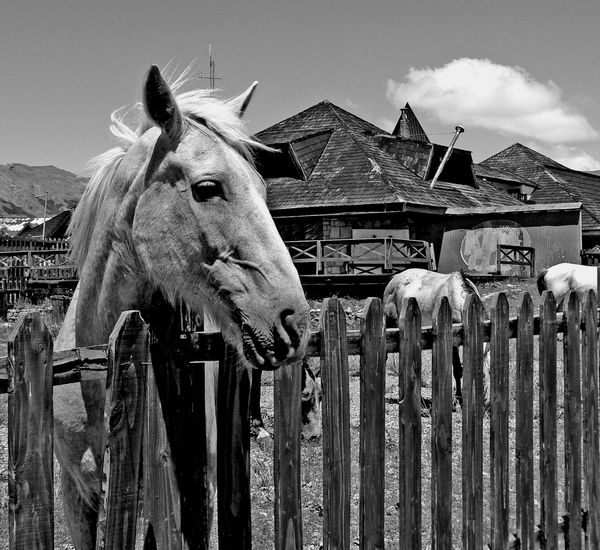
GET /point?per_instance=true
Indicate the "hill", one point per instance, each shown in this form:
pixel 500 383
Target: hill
pixel 20 183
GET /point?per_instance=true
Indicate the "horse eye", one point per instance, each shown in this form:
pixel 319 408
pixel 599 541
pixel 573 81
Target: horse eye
pixel 203 191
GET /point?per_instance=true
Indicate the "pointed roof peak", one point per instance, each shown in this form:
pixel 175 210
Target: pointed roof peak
pixel 409 127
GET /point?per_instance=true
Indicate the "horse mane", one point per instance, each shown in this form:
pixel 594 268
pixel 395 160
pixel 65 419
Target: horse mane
pixel 198 107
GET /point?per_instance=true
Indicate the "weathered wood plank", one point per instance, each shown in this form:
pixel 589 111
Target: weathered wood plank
pixel 441 427
pixel 572 423
pixel 524 425
pixel 181 389
pixel 287 464
pixel 499 465
pixel 591 441
pixel 128 360
pixel 233 454
pixel 409 327
pixel 336 427
pixel 30 435
pixel 161 502
pixel 472 425
pixel 547 404
pixel 372 426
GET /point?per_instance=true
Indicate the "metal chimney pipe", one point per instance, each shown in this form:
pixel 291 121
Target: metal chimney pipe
pixel 459 130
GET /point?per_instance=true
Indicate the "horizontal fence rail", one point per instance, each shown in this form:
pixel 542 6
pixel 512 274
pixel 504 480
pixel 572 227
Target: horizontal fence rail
pixel 533 518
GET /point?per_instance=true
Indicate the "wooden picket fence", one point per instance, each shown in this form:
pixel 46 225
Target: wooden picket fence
pixel 160 452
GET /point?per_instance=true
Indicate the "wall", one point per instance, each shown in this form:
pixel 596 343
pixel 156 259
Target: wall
pixel 556 237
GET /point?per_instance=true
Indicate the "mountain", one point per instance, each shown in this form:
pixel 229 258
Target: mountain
pixel 20 183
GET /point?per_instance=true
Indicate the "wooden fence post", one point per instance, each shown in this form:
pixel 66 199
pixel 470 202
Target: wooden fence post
pixel 233 454
pixel 287 403
pixel 179 497
pixel 472 424
pixel 591 442
pixel 547 404
pixel 409 329
pixel 372 426
pixel 499 376
pixel 128 360
pixel 441 426
pixel 524 425
pixel 30 435
pixel 572 423
pixel 336 426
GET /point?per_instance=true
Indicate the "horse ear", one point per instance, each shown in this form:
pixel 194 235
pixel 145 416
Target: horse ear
pixel 241 102
pixel 160 104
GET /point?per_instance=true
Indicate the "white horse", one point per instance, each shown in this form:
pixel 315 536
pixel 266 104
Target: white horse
pixel 426 286
pixel 564 278
pixel 176 210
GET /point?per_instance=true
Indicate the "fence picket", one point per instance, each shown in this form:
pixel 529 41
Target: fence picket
pixel 591 443
pixel 336 427
pixel 524 425
pixel 233 454
pixel 30 441
pixel 161 502
pixel 181 389
pixel 547 404
pixel 472 424
pixel 499 421
pixel 372 426
pixel 441 426
pixel 409 328
pixel 286 457
pixel 572 423
pixel 128 359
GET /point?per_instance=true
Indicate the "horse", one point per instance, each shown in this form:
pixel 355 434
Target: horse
pixel 311 398
pixel 426 286
pixel 177 210
pixel 564 278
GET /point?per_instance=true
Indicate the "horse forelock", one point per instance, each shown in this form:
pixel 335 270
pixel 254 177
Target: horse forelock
pixel 198 107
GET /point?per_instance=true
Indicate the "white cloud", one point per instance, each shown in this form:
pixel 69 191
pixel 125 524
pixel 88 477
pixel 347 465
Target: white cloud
pixel 572 157
pixel 483 94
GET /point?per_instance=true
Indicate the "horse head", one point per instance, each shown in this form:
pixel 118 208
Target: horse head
pixel 186 213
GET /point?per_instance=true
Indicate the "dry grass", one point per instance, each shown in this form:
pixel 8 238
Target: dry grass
pixel 311 479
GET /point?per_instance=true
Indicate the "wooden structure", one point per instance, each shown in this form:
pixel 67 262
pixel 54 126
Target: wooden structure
pixel 126 360
pixel 359 256
pixel 28 265
pixel 523 256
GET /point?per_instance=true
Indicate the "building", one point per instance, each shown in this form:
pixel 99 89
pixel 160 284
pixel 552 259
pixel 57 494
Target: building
pixel 555 183
pixel 335 175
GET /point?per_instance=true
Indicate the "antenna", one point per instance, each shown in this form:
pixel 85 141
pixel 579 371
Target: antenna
pixel 211 70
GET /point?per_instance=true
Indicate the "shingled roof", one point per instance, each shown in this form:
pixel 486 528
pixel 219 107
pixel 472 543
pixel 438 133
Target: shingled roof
pixel 556 183
pixel 56 227
pixel 347 162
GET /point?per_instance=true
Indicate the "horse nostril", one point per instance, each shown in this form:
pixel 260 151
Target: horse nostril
pixel 290 325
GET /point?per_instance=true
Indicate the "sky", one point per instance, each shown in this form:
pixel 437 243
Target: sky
pixel 507 71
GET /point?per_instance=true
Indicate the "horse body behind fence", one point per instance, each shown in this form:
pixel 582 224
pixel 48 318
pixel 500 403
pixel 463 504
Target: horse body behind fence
pixel 564 278
pixel 426 286
pixel 178 211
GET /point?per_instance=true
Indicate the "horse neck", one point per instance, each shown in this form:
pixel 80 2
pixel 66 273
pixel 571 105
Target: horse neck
pixel 112 280
pixel 106 291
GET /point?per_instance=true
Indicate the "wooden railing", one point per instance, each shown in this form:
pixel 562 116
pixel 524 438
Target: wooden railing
pixel 19 268
pixel 360 256
pixel 516 255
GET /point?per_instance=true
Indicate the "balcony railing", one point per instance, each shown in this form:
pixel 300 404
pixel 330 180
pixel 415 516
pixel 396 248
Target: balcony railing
pixel 378 255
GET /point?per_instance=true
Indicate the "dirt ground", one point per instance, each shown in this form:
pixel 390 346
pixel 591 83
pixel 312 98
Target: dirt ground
pixel 312 468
